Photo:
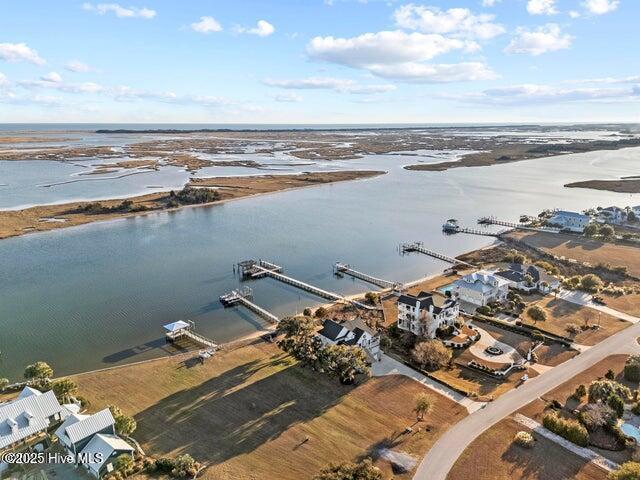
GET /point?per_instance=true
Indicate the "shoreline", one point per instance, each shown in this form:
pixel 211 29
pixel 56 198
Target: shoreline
pixel 624 185
pixel 45 218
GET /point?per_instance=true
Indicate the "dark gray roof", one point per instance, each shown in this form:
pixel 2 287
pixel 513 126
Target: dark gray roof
pixel 330 329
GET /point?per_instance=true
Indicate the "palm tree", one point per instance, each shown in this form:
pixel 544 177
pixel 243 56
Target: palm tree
pixel 423 406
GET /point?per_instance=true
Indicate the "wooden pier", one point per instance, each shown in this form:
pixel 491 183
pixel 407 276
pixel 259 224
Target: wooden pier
pixel 242 297
pixel 344 268
pixel 513 225
pixel 418 247
pixel 262 268
pixel 181 329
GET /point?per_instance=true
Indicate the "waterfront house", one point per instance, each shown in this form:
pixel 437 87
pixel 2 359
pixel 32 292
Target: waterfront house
pixel 636 211
pixel 351 332
pixel 29 415
pixel 571 221
pixel 78 430
pixel 425 313
pixel 529 278
pixel 613 215
pixel 481 288
pixel 102 451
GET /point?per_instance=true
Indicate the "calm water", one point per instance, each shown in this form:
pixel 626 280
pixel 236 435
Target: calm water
pixel 98 295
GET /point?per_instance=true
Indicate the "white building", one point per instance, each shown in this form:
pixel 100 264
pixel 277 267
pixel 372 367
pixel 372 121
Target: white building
pixel 636 211
pixel 352 332
pixel 613 215
pixel 529 278
pixel 101 452
pixel 424 313
pixel 78 430
pixel 572 221
pixel 481 288
pixel 30 414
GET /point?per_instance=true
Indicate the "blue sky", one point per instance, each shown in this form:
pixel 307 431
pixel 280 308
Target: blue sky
pixel 320 61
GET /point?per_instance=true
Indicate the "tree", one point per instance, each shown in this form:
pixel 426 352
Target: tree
pixel 64 389
pixel 306 312
pixel 431 354
pixel 298 341
pixel 423 405
pixel 597 415
pixel 536 314
pixel 125 425
pixel 607 231
pixel 519 258
pixel 39 372
pixel 580 392
pixel 591 229
pixel 591 283
pixel 603 389
pixel 632 368
pixel 185 466
pixel 123 462
pixel 626 471
pixel 616 404
pixel 346 361
pixel 364 470
pixel 371 297
pixel 610 375
pixel 321 312
pixel 528 280
pixel 632 217
pixel 3 383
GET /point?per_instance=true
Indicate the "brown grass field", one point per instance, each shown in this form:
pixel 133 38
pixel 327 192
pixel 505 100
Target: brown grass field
pixel 493 456
pixel 560 313
pixel 625 303
pixel 247 413
pixel 583 249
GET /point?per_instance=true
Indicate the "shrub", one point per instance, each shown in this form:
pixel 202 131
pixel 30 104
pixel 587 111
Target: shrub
pixel 431 354
pixel 185 466
pixel 580 392
pixel 632 368
pixel 610 375
pixel 536 313
pixel 591 283
pixel 364 470
pixel 321 312
pixel 626 471
pixel 165 465
pixel 636 408
pixel 537 335
pixel 573 328
pixel 569 429
pixel 616 404
pixel 597 415
pixel 371 297
pixel 603 389
pixel 484 310
pixel 306 312
pixel 524 439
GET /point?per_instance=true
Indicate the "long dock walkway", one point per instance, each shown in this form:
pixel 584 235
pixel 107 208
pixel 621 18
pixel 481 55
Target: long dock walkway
pixel 380 282
pixel 514 225
pixel 242 297
pixel 418 247
pixel 193 336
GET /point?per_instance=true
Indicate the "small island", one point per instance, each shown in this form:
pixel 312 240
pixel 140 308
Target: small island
pixel 624 185
pixel 198 192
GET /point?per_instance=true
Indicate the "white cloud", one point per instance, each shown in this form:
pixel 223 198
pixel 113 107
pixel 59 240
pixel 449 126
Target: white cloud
pixel 608 80
pixel 4 81
pixel 16 52
pixel 51 77
pixel 262 29
pixel 547 38
pixel 382 48
pixel 289 97
pixel 120 11
pixel 460 22
pixel 77 66
pixel 542 7
pixel 574 14
pixel 414 72
pixel 329 83
pixel 600 7
pixel 489 3
pixel 206 25
pixel 544 94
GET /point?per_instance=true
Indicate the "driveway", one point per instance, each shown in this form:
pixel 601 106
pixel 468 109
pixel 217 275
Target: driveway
pixel 582 298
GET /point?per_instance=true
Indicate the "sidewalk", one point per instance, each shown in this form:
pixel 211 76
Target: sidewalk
pixel 390 366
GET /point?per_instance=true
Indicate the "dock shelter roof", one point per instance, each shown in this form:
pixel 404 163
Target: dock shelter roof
pixel 175 326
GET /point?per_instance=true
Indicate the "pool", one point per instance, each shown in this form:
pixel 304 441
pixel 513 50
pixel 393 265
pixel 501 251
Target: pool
pixel 446 288
pixel 631 431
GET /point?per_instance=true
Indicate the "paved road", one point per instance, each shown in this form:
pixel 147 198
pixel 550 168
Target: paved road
pixel 390 366
pixel 444 453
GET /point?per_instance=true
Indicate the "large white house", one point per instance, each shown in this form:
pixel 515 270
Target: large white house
pixel 481 288
pixel 351 332
pixel 529 278
pixel 424 313
pixel 572 221
pixel 614 215
pixel 28 415
pixel 78 430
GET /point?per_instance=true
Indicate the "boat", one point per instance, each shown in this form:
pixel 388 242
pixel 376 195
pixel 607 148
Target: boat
pixel 451 226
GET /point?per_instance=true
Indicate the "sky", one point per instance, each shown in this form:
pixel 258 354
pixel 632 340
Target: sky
pixel 320 61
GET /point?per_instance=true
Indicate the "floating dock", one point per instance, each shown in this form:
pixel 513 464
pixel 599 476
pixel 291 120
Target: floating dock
pixel 419 247
pixel 242 297
pixel 251 269
pixel 344 268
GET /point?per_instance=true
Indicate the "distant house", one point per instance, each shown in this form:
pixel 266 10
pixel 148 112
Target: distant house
pixel 30 414
pixel 529 278
pixel 614 215
pixel 78 430
pixel 101 451
pixel 636 211
pixel 352 332
pixel 572 221
pixel 424 313
pixel 481 288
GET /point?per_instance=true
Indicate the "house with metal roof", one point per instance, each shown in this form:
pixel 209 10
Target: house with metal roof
pixel 78 430
pixel 99 455
pixel 571 221
pixel 351 332
pixel 425 313
pixel 529 278
pixel 481 288
pixel 30 414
